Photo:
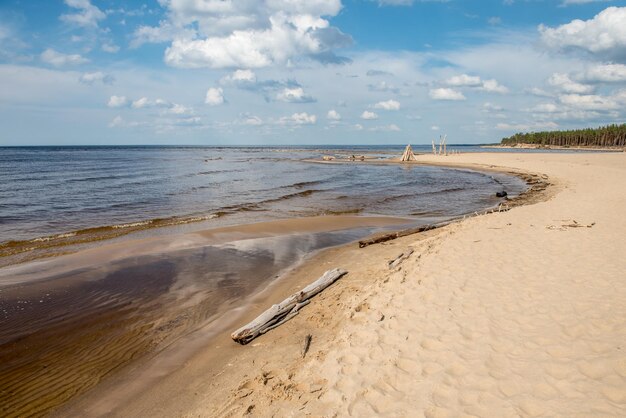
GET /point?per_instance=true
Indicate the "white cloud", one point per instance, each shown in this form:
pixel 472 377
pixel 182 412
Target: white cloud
pixel 565 84
pixel 246 34
pixel 116 122
pixel 178 109
pixel 299 119
pixel 536 91
pixel 589 102
pixel 214 96
pixel 605 73
pixel 358 127
pixel 240 77
pixel 110 48
pixel 446 94
pixel 333 115
pixel 495 20
pixel 140 103
pixel 87 14
pixel 252 120
pixel 117 101
pixel 546 108
pixel 493 86
pixel 388 105
pixel 367 115
pixel 57 59
pixel 96 77
pixel 464 80
pixel 604 34
pixel 294 95
pixel 434 128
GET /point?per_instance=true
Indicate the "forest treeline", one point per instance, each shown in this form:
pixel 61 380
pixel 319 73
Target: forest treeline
pixel 604 136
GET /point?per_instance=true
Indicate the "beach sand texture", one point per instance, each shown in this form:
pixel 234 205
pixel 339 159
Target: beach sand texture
pixel 509 314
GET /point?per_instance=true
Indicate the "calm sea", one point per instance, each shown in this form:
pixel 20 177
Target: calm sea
pixel 51 196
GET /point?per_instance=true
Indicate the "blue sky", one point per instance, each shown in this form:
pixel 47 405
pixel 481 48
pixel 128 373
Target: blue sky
pixel 306 71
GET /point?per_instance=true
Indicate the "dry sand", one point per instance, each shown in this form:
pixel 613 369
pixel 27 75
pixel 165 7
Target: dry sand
pixel 509 314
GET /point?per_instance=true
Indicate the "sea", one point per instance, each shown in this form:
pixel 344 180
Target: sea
pixel 59 197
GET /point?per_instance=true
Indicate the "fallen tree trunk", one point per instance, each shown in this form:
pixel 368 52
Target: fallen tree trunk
pixel 398 234
pixel 287 309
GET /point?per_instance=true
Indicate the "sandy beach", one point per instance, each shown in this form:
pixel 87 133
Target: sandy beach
pixel 519 313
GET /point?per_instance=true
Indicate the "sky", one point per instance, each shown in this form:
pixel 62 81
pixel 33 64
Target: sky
pixel 300 72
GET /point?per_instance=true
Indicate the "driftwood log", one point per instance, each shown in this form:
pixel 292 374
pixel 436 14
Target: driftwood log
pixel 399 259
pixel 398 234
pixel 285 310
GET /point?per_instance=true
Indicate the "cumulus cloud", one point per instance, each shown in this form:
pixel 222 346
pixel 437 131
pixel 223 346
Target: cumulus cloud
pixel 117 101
pixel 57 59
pixel 86 15
pixel 299 119
pixel 178 109
pixel 140 103
pixel 240 77
pixel 388 105
pixel 367 115
pixel 116 122
pixel 446 94
pixel 251 120
pixel 536 91
pixel 333 115
pixel 294 95
pixel 493 86
pixel 96 77
pixel 246 34
pixel 214 96
pixel 110 48
pixel 604 73
pixel 564 83
pixel 603 35
pixel 465 80
pixel 590 101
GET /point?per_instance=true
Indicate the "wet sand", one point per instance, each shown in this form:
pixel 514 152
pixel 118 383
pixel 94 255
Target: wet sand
pixel 68 323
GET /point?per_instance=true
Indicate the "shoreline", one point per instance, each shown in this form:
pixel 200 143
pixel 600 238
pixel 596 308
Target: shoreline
pixel 343 372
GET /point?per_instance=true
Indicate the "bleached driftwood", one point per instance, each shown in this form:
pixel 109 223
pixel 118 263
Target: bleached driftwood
pixel 399 259
pixel 287 309
pixel 408 154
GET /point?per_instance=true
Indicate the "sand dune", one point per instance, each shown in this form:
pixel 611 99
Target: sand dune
pixel 519 313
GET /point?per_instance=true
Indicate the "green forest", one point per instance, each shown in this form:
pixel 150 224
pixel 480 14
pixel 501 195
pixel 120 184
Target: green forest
pixel 604 136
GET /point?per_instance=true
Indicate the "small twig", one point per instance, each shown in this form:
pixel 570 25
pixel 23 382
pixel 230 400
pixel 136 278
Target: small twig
pixel 307 344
